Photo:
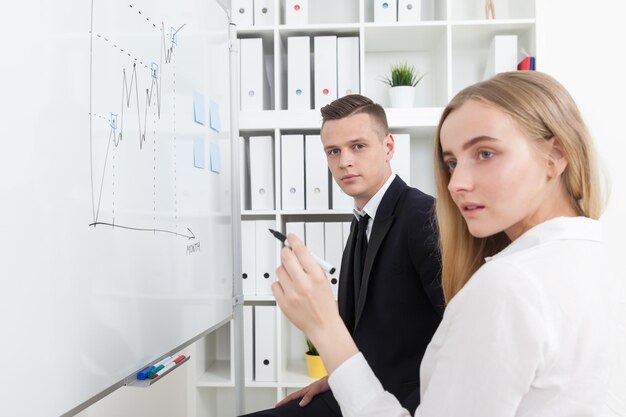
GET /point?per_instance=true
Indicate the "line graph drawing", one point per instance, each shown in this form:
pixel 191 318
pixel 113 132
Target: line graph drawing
pixel 121 172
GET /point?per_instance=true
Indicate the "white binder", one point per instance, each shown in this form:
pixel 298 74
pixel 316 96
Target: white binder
pixel 292 172
pixel 298 73
pixel 502 55
pixel 263 12
pixel 248 257
pixel 341 200
pixel 345 232
pixel 314 232
pixel 242 13
pixel 297 12
pixel 244 174
pixel 248 342
pixel 317 192
pixel 348 76
pixel 325 69
pixel 409 10
pixel 385 11
pixel 401 161
pixel 261 173
pixel 296 228
pixel 251 53
pixel 265 368
pixel 265 261
pixel 333 249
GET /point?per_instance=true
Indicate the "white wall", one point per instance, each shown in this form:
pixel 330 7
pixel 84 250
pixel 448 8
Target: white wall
pixel 581 43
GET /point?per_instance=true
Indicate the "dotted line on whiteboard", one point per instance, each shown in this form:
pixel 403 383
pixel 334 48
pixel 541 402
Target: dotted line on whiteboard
pixel 121 49
pixel 147 19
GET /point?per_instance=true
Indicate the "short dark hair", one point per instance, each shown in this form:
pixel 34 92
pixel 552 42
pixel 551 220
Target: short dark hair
pixel 352 104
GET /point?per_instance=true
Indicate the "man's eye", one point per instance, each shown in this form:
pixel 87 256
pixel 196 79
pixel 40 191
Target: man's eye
pixel 333 152
pixel 485 154
pixel 359 146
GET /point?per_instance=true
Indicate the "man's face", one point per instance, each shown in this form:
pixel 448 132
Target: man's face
pixel 358 155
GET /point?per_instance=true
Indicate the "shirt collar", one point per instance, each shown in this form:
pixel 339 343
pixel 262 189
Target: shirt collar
pixel 372 206
pixel 559 228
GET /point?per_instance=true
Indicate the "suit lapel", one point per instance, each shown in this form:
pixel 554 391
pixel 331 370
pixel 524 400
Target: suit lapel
pixel 382 223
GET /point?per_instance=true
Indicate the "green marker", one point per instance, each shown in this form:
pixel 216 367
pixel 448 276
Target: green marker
pixel 154 371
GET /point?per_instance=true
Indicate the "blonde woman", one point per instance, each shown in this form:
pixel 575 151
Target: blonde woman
pixel 527 328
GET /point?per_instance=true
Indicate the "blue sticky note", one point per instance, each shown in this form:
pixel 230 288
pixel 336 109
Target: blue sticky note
pixel 216 162
pixel 198 108
pixel 214 116
pixel 198 153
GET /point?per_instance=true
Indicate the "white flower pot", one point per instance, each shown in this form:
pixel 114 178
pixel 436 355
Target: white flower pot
pixel 402 96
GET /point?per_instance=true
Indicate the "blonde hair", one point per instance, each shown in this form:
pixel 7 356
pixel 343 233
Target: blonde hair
pixel 542 109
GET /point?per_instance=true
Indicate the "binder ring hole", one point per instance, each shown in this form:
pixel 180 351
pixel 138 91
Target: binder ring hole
pixel 385 5
pixel 244 276
pixel 292 190
pixel 266 362
pixel 298 92
pixel 333 281
pixel 242 10
pixel 262 191
pixel 409 7
pixel 266 275
pixel 251 93
pixel 264 10
pixel 316 190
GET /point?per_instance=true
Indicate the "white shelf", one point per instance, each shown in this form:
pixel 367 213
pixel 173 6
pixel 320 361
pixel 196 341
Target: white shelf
pixel 218 375
pixel 256 298
pixel 312 119
pixel 295 375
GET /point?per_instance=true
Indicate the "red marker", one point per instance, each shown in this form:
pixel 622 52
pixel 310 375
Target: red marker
pixel 179 359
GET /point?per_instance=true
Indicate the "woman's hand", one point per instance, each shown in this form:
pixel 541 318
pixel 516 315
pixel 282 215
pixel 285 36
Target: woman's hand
pixel 304 295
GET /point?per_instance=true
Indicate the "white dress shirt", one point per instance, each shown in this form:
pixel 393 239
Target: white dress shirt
pixel 530 334
pixel 371 207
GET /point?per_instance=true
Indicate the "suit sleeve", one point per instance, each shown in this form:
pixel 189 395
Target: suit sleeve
pixel 423 242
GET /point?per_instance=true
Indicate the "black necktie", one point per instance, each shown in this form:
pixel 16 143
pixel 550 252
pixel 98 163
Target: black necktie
pixel 359 252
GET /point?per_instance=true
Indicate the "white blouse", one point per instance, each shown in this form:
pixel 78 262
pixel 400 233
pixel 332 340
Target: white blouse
pixel 529 335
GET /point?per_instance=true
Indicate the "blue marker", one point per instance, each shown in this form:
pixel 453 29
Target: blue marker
pixel 144 373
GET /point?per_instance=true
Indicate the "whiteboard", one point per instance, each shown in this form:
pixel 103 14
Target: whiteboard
pixel 115 179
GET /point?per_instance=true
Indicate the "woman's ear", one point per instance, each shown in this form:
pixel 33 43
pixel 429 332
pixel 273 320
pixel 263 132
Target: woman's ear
pixel 556 158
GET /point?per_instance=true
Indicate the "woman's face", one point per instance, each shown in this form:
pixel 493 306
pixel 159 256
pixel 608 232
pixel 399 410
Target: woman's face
pixel 499 179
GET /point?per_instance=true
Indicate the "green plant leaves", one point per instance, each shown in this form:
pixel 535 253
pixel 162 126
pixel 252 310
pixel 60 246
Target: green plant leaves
pixel 403 74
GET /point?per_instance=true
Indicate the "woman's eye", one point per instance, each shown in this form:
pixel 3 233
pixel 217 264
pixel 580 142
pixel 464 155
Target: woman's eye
pixel 451 164
pixel 485 154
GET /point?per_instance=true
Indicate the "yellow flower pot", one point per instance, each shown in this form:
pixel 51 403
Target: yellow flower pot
pixel 314 366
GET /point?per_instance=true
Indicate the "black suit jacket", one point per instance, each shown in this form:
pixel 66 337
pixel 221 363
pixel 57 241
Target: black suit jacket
pixel 401 302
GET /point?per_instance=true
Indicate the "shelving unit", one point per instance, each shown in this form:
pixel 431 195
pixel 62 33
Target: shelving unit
pixel 449 45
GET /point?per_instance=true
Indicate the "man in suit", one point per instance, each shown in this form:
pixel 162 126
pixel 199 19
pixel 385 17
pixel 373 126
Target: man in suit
pixel 390 294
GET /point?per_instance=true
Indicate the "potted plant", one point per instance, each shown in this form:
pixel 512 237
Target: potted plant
pixel 403 79
pixel 314 365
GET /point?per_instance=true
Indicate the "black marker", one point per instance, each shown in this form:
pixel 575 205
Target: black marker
pixel 325 265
